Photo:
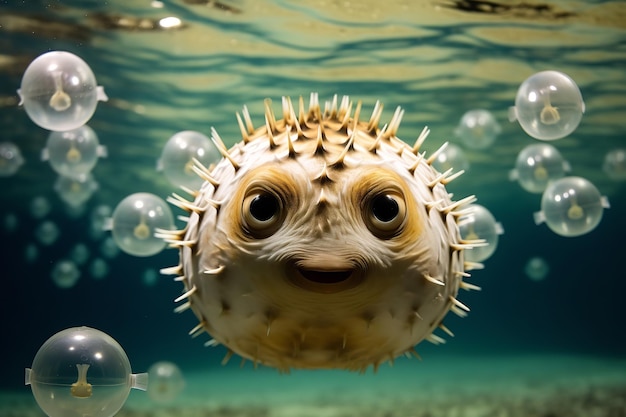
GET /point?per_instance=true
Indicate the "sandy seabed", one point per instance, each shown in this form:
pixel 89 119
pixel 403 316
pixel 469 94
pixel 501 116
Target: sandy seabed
pixel 528 386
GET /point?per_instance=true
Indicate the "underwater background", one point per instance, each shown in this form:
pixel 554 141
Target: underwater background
pixel 436 59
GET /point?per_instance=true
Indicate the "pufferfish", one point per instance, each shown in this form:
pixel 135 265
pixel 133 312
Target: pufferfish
pixel 321 240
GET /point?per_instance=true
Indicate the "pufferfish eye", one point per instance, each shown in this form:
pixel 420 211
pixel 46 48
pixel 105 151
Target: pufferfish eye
pixel 385 215
pixel 262 213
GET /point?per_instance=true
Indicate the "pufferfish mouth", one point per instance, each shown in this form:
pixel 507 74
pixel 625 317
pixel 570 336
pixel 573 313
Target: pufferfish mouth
pixel 324 280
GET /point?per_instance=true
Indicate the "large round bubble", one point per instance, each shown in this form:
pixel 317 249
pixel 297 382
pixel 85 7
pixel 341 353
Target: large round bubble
pixel 82 371
pixel 571 206
pixel 135 220
pixel 537 165
pixel 59 91
pixel 548 105
pixel 614 164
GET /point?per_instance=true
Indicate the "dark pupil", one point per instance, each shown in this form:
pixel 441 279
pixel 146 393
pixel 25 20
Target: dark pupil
pixel 263 207
pixel 385 208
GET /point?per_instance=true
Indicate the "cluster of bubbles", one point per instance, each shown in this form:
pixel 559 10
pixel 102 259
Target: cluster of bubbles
pixel 139 217
pixel 83 371
pixel 477 129
pixel 59 93
pixel 133 234
pixel 549 106
pixel 66 271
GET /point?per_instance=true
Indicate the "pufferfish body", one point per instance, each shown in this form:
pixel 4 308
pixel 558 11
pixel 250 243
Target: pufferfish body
pixel 321 241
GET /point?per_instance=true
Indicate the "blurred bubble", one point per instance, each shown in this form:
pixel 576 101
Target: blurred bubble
pixel 98 218
pixel 536 268
pixel 166 381
pixel 614 164
pixel 75 191
pixel 10 222
pixel 150 277
pixel 108 248
pixel 98 268
pixel 31 253
pixel 478 129
pixel 10 159
pixel 79 253
pixel 65 274
pixel 47 232
pixel 548 105
pixel 40 207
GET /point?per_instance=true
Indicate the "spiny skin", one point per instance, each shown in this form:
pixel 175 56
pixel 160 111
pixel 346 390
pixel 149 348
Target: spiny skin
pixel 321 241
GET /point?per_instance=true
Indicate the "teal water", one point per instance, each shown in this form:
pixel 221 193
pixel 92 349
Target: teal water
pixel 435 60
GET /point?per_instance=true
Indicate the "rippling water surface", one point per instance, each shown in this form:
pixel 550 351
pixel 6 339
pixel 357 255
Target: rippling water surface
pixel 436 59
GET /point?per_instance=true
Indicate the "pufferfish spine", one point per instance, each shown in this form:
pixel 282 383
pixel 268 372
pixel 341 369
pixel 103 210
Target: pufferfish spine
pixel 321 241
